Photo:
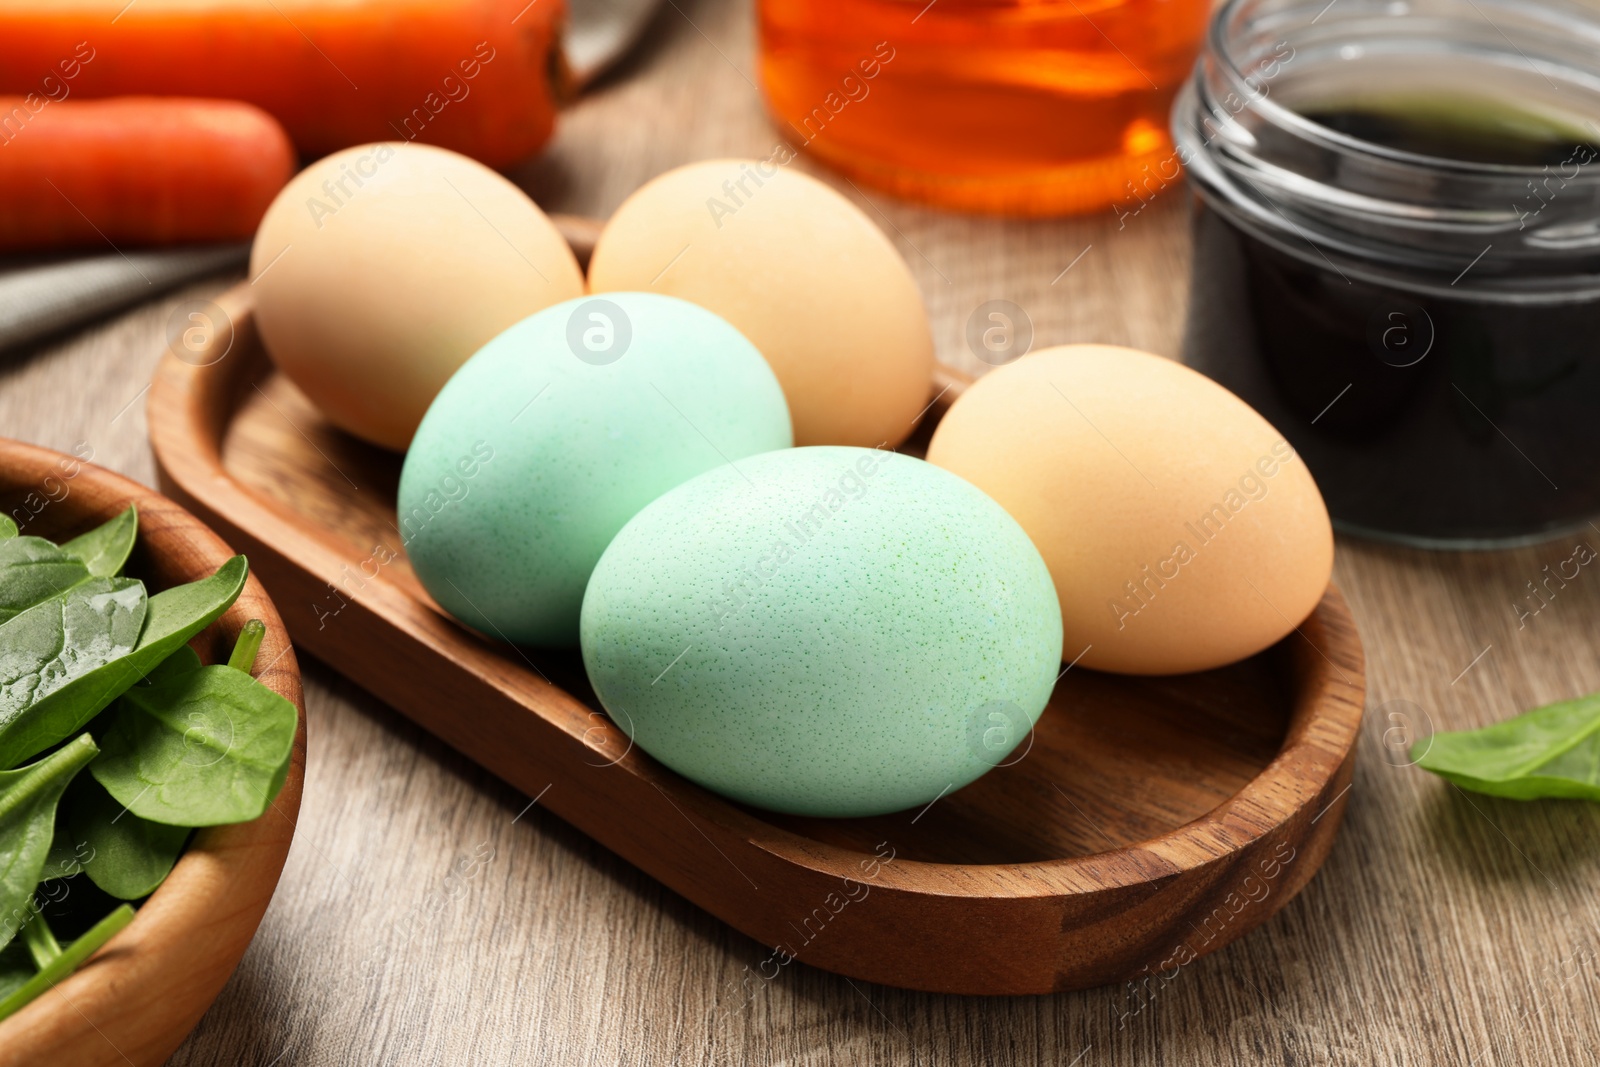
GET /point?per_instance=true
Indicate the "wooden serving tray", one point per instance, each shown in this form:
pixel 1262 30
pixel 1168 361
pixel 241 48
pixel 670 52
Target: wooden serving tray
pixel 1152 820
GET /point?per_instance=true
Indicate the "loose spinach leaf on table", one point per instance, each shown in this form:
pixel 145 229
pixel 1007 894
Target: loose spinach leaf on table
pixel 1553 751
pixel 203 748
pixel 128 856
pixel 106 548
pixel 30 722
pixel 28 799
pixel 32 570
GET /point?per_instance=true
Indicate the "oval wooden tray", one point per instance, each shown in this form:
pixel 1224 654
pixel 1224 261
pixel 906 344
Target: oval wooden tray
pixel 1151 821
pixel 136 999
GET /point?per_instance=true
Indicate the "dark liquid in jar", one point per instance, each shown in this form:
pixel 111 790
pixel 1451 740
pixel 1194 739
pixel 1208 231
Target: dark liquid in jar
pixel 1468 129
pixel 1423 417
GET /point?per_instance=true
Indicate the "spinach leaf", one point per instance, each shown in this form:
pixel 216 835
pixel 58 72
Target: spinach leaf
pixel 105 549
pixel 207 747
pixel 130 856
pixel 28 798
pixel 182 661
pixel 1553 751
pixel 67 854
pixel 8 527
pixel 64 964
pixel 32 570
pixel 30 722
pixel 47 649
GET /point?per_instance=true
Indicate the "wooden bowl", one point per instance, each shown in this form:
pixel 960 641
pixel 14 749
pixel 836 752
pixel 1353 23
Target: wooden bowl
pixel 136 999
pixel 1150 821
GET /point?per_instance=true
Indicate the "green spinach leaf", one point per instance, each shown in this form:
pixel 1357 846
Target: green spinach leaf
pixel 28 799
pixel 129 856
pixel 182 661
pixel 67 854
pixel 208 747
pixel 50 647
pixel 32 570
pixel 1553 751
pixel 8 527
pixel 30 723
pixel 105 549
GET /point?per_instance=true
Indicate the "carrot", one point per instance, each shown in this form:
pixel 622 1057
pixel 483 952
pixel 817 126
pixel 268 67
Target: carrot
pixel 475 76
pixel 135 171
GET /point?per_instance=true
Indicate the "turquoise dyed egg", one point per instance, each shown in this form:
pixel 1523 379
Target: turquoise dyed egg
pixel 555 434
pixel 824 631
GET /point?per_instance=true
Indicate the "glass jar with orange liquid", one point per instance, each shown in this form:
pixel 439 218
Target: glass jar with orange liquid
pixel 1023 107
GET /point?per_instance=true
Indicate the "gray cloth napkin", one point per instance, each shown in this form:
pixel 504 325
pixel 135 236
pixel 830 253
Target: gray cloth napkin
pixel 41 295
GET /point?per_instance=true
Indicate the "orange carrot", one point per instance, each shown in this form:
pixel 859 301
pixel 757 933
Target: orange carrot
pixel 135 171
pixel 475 76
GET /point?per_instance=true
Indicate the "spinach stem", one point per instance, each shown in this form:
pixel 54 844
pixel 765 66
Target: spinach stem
pixel 64 964
pixel 244 653
pixel 59 766
pixel 40 939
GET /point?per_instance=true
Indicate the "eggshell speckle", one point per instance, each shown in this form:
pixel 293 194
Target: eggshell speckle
pixel 378 270
pixel 826 631
pixel 540 448
pixel 1182 531
pixel 802 272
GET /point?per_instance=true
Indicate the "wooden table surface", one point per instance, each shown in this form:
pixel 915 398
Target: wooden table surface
pixel 425 917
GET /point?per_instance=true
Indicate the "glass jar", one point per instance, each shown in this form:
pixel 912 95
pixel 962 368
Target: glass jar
pixel 1023 107
pixel 1419 317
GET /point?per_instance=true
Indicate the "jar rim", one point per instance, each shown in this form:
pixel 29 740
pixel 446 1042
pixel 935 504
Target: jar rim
pixel 1384 208
pixel 1219 45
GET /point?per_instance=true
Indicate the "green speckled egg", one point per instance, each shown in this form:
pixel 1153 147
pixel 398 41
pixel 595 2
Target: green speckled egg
pixel 824 631
pixel 555 434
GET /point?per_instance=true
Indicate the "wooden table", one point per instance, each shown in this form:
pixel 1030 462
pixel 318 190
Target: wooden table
pixel 428 915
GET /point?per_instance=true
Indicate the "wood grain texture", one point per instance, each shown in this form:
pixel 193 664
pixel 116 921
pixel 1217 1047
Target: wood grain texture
pixel 425 918
pixel 1143 821
pixel 136 999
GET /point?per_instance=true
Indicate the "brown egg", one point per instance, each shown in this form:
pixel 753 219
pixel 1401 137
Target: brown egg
pixel 378 270
pixel 1182 530
pixel 797 269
